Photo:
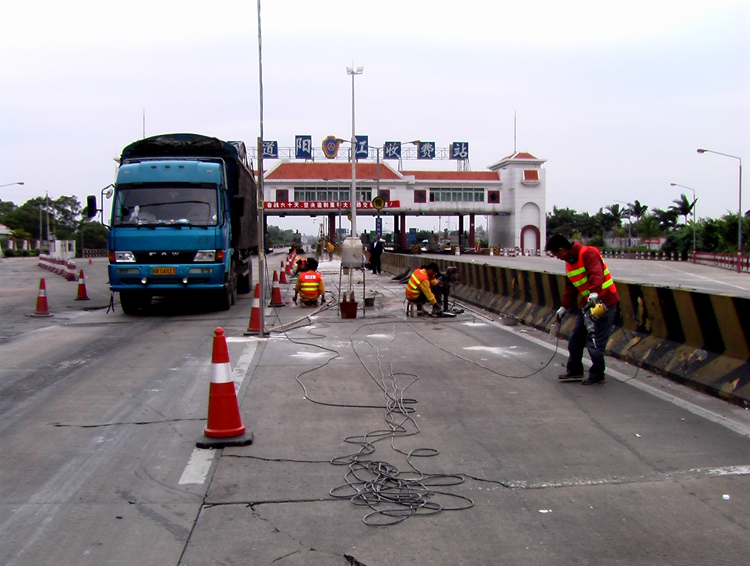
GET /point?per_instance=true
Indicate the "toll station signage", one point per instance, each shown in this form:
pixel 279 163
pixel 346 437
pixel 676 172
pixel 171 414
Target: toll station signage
pixel 331 206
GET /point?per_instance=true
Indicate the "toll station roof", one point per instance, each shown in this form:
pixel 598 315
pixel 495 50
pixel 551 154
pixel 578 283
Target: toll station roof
pixel 330 171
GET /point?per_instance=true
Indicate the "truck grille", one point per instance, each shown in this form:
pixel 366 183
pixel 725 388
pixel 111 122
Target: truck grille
pixel 161 258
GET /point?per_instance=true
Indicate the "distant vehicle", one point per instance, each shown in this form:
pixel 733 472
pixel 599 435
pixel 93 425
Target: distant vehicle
pixel 183 219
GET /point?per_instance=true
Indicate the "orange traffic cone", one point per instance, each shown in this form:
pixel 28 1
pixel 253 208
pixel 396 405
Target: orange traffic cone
pixel 82 294
pixel 91 261
pixel 41 302
pixel 282 277
pixel 224 422
pixel 254 326
pixel 276 300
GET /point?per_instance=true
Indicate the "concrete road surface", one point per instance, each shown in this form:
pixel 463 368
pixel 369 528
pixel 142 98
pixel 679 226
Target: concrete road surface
pixel 675 274
pixel 377 440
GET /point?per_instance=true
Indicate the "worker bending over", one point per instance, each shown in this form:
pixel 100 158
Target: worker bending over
pixel 310 285
pixel 300 265
pixel 419 287
pixel 588 278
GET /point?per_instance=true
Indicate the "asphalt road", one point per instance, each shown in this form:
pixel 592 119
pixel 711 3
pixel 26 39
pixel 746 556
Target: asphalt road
pixel 677 274
pixel 463 418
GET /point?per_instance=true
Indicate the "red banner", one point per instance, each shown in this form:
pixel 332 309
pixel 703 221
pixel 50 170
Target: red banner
pixel 330 206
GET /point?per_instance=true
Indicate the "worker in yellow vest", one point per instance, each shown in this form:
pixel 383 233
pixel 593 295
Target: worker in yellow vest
pixel 419 287
pixel 310 285
pixel 589 280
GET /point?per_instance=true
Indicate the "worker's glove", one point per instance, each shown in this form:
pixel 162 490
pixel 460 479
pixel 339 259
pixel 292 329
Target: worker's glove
pixel 560 313
pixel 294 299
pixel 592 300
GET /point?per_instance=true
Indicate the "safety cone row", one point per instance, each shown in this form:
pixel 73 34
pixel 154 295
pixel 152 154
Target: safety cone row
pixel 42 309
pixel 224 423
pixel 282 273
pixel 82 293
pixel 254 326
pixel 276 300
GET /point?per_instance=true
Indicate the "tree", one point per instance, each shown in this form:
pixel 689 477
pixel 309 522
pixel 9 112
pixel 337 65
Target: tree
pixel 683 207
pixel 667 219
pixel 648 227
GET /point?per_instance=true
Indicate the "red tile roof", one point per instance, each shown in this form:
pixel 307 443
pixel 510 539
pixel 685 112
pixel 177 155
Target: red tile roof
pixel 520 155
pixel 329 171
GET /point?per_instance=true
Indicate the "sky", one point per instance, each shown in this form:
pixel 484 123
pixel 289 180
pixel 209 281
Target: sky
pixel 616 96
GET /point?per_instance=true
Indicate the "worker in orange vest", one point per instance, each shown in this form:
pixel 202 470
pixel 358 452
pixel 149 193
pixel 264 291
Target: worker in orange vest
pixel 419 287
pixel 310 285
pixel 589 279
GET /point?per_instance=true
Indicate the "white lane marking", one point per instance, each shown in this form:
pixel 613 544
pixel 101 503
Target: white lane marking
pixel 197 467
pixel 736 426
pixel 702 277
pixel 680 474
pixel 200 460
pixel 504 352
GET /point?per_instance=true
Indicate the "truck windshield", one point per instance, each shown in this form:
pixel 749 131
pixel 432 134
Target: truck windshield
pixel 162 204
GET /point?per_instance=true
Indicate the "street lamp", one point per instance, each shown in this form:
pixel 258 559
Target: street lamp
pixel 739 209
pixel 9 184
pixel 353 72
pixel 695 200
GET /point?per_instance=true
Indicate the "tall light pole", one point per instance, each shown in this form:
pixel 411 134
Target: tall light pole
pixel 353 72
pixel 9 184
pixel 695 200
pixel 739 208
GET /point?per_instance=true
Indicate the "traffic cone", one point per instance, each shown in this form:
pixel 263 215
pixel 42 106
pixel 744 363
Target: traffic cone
pixel 282 277
pixel 41 302
pixel 91 261
pixel 276 300
pixel 254 326
pixel 82 294
pixel 224 422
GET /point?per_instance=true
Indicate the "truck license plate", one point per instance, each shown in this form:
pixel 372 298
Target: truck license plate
pixel 163 271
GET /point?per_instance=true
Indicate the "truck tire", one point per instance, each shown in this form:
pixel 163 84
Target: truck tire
pixel 228 295
pixel 131 301
pixel 244 281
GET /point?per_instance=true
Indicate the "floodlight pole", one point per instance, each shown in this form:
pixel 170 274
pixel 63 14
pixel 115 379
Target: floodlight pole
pixel 353 72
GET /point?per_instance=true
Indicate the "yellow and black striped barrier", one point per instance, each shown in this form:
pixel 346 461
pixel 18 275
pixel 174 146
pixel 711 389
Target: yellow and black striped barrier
pixel 695 338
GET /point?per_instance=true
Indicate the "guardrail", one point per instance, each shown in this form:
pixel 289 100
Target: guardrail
pixel 698 339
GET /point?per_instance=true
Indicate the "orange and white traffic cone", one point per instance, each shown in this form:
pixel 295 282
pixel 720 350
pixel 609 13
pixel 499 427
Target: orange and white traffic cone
pixel 224 424
pixel 282 277
pixel 91 261
pixel 42 309
pixel 254 326
pixel 82 294
pixel 276 300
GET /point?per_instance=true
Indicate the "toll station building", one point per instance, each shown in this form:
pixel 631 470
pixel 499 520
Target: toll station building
pixel 511 194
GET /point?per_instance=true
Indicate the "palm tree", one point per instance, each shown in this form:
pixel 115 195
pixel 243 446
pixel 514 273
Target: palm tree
pixel 667 218
pixel 648 227
pixel 683 207
pixel 638 210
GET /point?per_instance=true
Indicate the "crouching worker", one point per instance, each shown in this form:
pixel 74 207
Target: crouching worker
pixel 310 286
pixel 419 288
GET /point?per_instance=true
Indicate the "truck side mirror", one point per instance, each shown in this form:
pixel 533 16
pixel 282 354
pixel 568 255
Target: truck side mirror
pixel 238 206
pixel 90 206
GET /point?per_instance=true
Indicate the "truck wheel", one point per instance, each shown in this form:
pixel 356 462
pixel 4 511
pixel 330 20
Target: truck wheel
pixel 243 281
pixel 130 302
pixel 228 295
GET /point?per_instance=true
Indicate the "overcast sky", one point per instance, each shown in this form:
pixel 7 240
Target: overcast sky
pixel 616 96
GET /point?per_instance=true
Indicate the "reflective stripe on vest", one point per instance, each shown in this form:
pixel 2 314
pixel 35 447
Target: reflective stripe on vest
pixel 309 281
pixel 412 287
pixel 580 278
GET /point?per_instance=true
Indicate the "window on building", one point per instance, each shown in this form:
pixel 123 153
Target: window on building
pixel 530 176
pixel 282 195
pixel 385 194
pixel 456 195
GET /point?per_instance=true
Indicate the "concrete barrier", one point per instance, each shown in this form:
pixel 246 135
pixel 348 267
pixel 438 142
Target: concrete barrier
pixel 697 339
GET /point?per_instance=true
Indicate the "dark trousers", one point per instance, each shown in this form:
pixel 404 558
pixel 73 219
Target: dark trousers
pixel 375 263
pixel 594 342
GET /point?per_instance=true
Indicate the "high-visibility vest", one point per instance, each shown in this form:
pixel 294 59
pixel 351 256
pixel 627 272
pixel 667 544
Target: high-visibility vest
pixel 412 287
pixel 309 281
pixel 578 275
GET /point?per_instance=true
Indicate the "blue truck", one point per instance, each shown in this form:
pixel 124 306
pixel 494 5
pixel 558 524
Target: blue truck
pixel 184 221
